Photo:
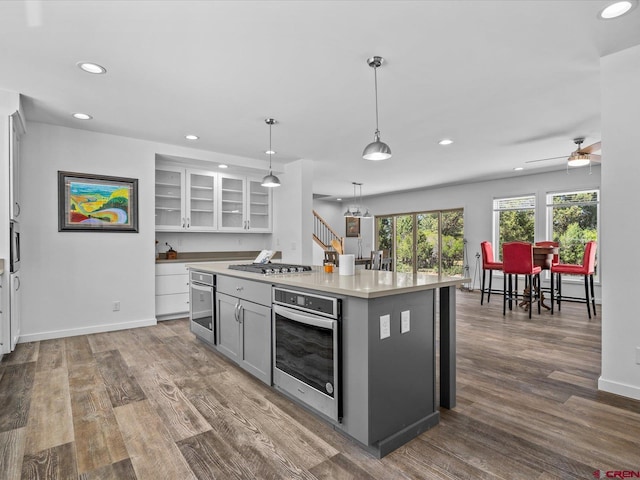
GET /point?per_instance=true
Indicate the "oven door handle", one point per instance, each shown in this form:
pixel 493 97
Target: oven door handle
pixel 305 318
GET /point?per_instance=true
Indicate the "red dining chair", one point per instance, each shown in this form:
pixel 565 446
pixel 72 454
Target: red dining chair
pixel 517 259
pixel 489 264
pixel 587 269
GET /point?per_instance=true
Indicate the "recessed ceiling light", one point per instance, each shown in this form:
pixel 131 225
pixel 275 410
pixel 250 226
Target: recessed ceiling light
pixel 270 152
pixel 91 68
pixel 517 169
pixel 222 165
pixel 445 141
pixel 616 9
pixel 82 116
pixel 191 137
pixel 338 199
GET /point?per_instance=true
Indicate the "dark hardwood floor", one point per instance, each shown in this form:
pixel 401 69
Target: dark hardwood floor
pixel 154 403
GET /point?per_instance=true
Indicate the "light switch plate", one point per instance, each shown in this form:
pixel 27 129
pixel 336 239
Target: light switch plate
pixel 385 326
pixel 638 355
pixel 405 321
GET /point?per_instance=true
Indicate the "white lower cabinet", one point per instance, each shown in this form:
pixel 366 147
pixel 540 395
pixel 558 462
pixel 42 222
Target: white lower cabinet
pixel 244 327
pixel 172 291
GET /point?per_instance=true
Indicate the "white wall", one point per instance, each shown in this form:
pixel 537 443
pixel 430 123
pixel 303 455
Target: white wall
pixel 620 225
pixel 293 220
pixel 70 279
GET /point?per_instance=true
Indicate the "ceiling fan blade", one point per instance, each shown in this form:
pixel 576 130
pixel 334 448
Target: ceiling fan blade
pixel 595 157
pixel 591 148
pixel 545 159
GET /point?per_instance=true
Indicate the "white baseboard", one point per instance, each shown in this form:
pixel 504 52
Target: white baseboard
pixel 630 391
pixel 109 327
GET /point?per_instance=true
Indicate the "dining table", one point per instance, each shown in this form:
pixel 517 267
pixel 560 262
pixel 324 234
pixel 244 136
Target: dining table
pixel 543 258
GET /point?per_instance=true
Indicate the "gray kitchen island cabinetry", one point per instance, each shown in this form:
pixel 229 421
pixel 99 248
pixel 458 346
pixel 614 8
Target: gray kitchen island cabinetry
pixel 243 323
pixel 388 346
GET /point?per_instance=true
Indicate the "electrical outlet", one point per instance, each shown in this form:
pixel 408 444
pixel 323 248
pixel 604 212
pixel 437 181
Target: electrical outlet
pixel 116 306
pixel 405 321
pixel 385 326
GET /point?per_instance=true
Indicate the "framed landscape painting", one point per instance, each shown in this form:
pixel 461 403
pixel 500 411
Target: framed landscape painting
pixel 97 203
pixel 352 226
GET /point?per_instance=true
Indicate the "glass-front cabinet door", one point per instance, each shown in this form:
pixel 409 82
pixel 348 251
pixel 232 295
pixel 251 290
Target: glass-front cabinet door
pixel 170 213
pixel 232 203
pixel 259 207
pixel 201 200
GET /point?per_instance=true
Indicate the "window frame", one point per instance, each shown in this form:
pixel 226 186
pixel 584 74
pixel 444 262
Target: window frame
pixel 497 246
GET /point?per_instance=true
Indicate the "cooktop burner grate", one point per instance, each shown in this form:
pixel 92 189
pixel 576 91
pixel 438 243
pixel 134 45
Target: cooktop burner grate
pixel 271 268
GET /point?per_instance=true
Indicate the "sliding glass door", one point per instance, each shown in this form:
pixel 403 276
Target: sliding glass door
pixel 429 242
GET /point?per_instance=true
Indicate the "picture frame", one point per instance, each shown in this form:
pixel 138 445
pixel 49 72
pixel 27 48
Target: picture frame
pixel 97 203
pixel 352 227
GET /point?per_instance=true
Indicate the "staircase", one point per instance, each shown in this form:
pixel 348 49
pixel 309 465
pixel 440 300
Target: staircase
pixel 324 235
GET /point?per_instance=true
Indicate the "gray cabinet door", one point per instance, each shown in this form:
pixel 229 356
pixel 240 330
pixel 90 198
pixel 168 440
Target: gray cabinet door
pixel 228 327
pixel 255 351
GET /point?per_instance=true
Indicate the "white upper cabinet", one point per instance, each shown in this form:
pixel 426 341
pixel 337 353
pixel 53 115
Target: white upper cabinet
pixel 186 199
pixel 245 205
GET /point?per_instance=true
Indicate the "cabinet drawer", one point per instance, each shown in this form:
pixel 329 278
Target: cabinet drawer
pixel 167 284
pixel 171 268
pixel 253 291
pixel 172 304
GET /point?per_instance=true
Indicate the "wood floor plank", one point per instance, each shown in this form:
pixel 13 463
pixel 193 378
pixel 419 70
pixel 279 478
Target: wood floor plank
pixel 122 470
pixel 339 467
pixel 52 355
pixel 259 452
pixel 50 421
pixel 179 416
pixel 11 453
pixel 573 379
pixel 56 463
pixel 99 440
pixel 16 386
pixel 151 449
pixel 23 353
pixel 122 387
pixel 78 349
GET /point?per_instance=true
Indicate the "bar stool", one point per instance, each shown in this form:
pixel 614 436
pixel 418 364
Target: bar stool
pixel 489 264
pixel 517 259
pixel 587 269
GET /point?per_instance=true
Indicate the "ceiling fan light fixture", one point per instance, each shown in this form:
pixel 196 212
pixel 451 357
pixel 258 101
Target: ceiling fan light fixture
pixel 376 150
pixel 577 159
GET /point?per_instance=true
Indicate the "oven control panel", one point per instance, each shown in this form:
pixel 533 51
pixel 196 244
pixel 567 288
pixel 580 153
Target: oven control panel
pixel 308 302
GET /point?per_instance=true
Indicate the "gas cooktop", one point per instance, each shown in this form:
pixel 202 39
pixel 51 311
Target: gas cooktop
pixel 271 268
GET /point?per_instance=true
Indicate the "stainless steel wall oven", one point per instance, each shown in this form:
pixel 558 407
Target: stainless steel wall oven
pixel 202 289
pixel 306 349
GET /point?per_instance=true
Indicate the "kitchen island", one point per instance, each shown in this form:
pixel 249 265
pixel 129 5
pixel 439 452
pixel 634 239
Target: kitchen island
pixel 387 347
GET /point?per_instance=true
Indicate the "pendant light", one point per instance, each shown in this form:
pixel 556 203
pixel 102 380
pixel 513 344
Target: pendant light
pixel 270 180
pixel 376 150
pixel 356 209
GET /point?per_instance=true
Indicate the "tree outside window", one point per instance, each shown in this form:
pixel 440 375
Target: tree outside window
pixel 514 221
pixel 573 221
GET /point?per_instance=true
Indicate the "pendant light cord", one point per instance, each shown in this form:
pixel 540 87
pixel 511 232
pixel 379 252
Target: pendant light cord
pixel 270 148
pixel 375 80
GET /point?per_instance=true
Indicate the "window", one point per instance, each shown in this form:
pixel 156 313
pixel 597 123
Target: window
pixel 573 220
pixel 514 220
pixel 429 242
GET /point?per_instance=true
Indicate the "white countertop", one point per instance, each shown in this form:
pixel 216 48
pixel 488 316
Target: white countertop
pixel 1 266
pixel 364 284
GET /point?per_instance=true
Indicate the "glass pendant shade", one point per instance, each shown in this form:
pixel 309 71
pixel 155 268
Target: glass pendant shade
pixel 356 209
pixel 376 150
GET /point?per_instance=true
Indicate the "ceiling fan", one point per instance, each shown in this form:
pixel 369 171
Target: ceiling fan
pixel 580 157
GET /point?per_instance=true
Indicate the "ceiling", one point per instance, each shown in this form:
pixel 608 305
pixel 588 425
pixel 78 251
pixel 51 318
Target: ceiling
pixel 508 81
